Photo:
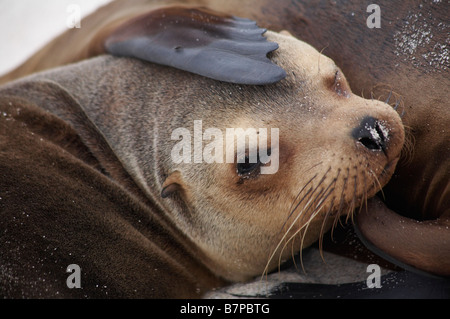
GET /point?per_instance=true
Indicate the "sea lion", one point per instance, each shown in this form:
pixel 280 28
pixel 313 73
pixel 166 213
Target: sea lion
pixel 88 176
pixel 407 58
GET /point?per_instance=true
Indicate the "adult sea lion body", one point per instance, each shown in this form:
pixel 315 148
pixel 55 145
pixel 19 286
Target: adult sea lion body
pixel 407 55
pixel 107 141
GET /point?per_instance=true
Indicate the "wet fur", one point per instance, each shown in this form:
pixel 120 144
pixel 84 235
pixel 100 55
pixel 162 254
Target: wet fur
pixel 124 126
pixel 301 23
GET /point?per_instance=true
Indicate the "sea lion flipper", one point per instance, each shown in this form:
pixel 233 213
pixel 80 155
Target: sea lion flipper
pixel 417 246
pixel 200 41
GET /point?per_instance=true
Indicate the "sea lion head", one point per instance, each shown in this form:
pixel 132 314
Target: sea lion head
pixel 314 151
pixel 330 150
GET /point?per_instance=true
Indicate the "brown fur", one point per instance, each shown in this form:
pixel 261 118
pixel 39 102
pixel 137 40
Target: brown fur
pixel 405 55
pixel 375 62
pixel 216 224
pixel 57 208
pixel 372 60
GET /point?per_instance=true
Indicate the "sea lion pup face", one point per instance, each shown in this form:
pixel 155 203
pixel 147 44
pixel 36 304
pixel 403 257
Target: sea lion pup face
pixel 334 150
pixel 329 149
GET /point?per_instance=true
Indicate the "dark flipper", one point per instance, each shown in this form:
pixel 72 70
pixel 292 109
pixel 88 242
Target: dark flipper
pixel 200 41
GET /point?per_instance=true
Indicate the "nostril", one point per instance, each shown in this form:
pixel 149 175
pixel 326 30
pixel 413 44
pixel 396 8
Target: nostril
pixel 369 143
pixel 372 134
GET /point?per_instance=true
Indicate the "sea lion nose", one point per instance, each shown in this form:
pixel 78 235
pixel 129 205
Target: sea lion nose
pixel 372 133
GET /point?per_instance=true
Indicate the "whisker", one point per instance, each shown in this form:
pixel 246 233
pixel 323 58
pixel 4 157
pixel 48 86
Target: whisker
pixel 321 198
pixel 364 197
pixel 304 229
pixel 341 203
pixel 389 97
pixel 335 222
pixel 292 256
pixel 293 210
pixel 284 237
pixel 318 209
pixel 296 197
pixel 322 232
pixel 320 182
pixel 301 213
pixel 398 102
pixel 353 202
pixel 377 181
pixel 318 61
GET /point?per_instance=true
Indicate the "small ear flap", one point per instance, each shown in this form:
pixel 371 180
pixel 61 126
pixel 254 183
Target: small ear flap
pixel 200 41
pixel 171 185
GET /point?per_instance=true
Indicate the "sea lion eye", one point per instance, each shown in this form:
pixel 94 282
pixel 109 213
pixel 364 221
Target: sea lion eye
pixel 340 85
pixel 247 168
pixel 250 169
